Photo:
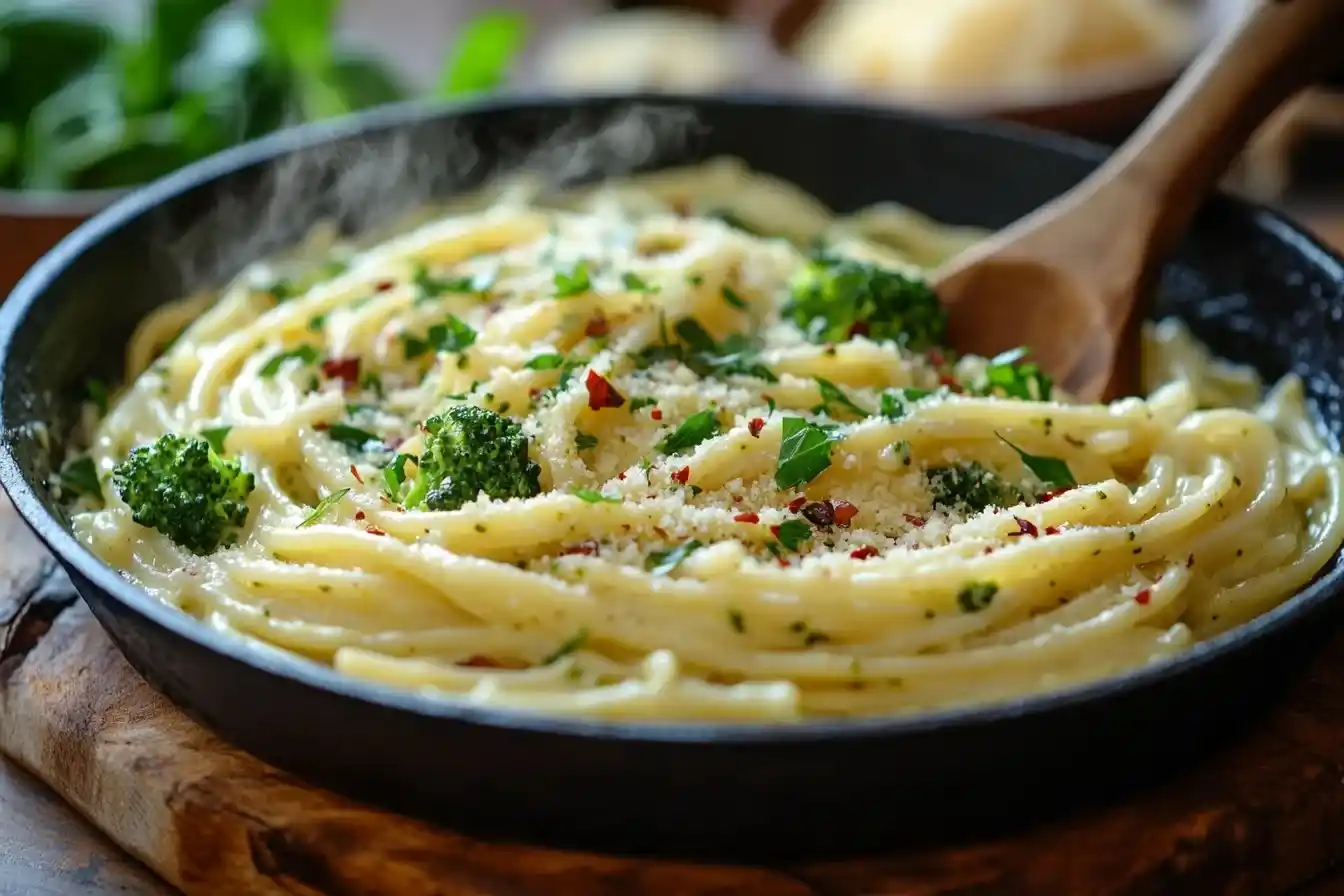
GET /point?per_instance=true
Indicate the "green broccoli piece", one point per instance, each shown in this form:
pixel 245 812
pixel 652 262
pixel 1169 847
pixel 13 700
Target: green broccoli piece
pixel 971 487
pixel 470 450
pixel 833 299
pixel 181 487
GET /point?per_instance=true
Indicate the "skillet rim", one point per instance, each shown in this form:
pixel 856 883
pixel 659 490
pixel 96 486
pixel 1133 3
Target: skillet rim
pixel 271 660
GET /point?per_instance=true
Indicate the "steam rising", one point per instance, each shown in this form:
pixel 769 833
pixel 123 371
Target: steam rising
pixel 360 182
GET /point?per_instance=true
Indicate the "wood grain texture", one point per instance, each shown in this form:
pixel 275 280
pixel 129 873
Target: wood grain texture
pixel 1265 816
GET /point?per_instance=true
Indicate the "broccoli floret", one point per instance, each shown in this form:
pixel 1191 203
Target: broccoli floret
pixel 971 487
pixel 470 450
pixel 181 487
pixel 833 299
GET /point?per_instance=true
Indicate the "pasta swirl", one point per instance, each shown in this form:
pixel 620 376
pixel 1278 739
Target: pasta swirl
pixel 732 522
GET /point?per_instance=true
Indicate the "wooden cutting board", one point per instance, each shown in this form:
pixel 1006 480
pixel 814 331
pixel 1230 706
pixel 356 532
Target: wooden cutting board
pixel 1264 816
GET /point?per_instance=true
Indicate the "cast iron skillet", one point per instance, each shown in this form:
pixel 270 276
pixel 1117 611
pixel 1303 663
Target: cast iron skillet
pixel 1251 285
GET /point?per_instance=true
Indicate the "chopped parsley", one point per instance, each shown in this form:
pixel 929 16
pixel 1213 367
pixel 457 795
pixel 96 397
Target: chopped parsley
pixel 661 563
pixel 354 438
pixel 971 487
pixel 549 361
pixel 571 645
pixel 642 401
pixel 896 403
pixel 304 354
pixel 976 596
pixel 452 335
pixel 731 296
pixel 831 394
pixel 693 430
pixel 323 506
pixel 583 441
pixel 593 496
pixel 792 533
pixel 804 453
pixel 574 282
pixel 1010 375
pixel 394 475
pixel 736 354
pixel 635 283
pixel 431 287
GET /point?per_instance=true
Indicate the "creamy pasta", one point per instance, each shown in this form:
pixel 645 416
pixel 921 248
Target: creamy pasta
pixel 734 518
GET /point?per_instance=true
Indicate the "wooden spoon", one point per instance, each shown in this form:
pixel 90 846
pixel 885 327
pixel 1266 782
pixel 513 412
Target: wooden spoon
pixel 1073 280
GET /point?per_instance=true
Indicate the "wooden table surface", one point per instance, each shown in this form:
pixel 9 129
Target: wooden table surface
pixel 47 849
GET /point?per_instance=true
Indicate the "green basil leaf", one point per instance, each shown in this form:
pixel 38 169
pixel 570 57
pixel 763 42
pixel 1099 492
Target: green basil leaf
pixel 662 563
pixel 305 354
pixel 731 296
pixel 216 436
pixel 635 283
pixel 323 506
pixel 896 403
pixel 693 430
pixel 1053 472
pixel 804 453
pixel 354 438
pixel 833 394
pixel 551 361
pixel 593 496
pixel 792 533
pixel 574 282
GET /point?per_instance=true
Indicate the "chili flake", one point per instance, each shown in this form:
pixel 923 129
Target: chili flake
pixel 597 327
pixel 1143 597
pixel 346 369
pixel 601 394
pixel 1025 527
pixel 755 426
pixel 374 530
pixel 683 475
pixel 863 553
pixel 354 471
pixel 359 514
pixel 797 503
pixel 844 512
pixel 747 518
pixel 656 414
pixel 820 514
pixel 916 521
pixel 384 285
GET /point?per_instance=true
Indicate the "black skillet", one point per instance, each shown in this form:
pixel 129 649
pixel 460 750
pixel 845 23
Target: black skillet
pixel 1251 285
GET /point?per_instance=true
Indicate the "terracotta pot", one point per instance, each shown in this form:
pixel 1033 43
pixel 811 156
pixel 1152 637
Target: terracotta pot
pixel 31 223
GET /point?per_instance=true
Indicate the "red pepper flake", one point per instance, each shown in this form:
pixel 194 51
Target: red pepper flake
pixel 1025 527
pixel 683 475
pixel 797 503
pixel 359 514
pixel 621 475
pixel 774 530
pixel 844 513
pixel 321 427
pixel 863 553
pixel 935 357
pixel 355 473
pixel 346 369
pixel 737 499
pixel 656 414
pixel 480 662
pixel 601 394
pixel 1051 530
pixel 1143 597
pixel 597 327
pixel 384 285
pixel 987 551
pixel 587 549
pixel 660 531
pixel 747 518
pixel 533 393
pixel 916 521
pixel 858 328
pixel 374 530
pixel 1052 494
pixel 755 426
pixel 950 382
pixel 783 562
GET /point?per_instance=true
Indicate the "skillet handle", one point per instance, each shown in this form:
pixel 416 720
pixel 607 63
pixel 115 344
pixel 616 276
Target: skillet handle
pixel 1275 49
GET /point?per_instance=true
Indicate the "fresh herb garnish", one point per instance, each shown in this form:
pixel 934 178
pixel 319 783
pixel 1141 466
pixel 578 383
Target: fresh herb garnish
pixel 970 486
pixel 736 354
pixel 304 354
pixel 693 430
pixel 804 453
pixel 593 496
pixel 549 361
pixel 480 57
pixel 1053 472
pixel 976 596
pixel 583 441
pixel 216 436
pixel 896 403
pixel 661 563
pixel 572 645
pixel 430 287
pixel 642 401
pixel 80 477
pixel 833 394
pixel 635 283
pixel 1010 375
pixel 452 335
pixel 394 475
pixel 731 296
pixel 323 506
pixel 574 282
pixel 354 438
pixel 792 533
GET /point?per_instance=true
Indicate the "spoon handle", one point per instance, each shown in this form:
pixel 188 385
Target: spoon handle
pixel 1191 139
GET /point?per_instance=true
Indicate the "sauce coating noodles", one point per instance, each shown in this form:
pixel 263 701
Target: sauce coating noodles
pixel 748 528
